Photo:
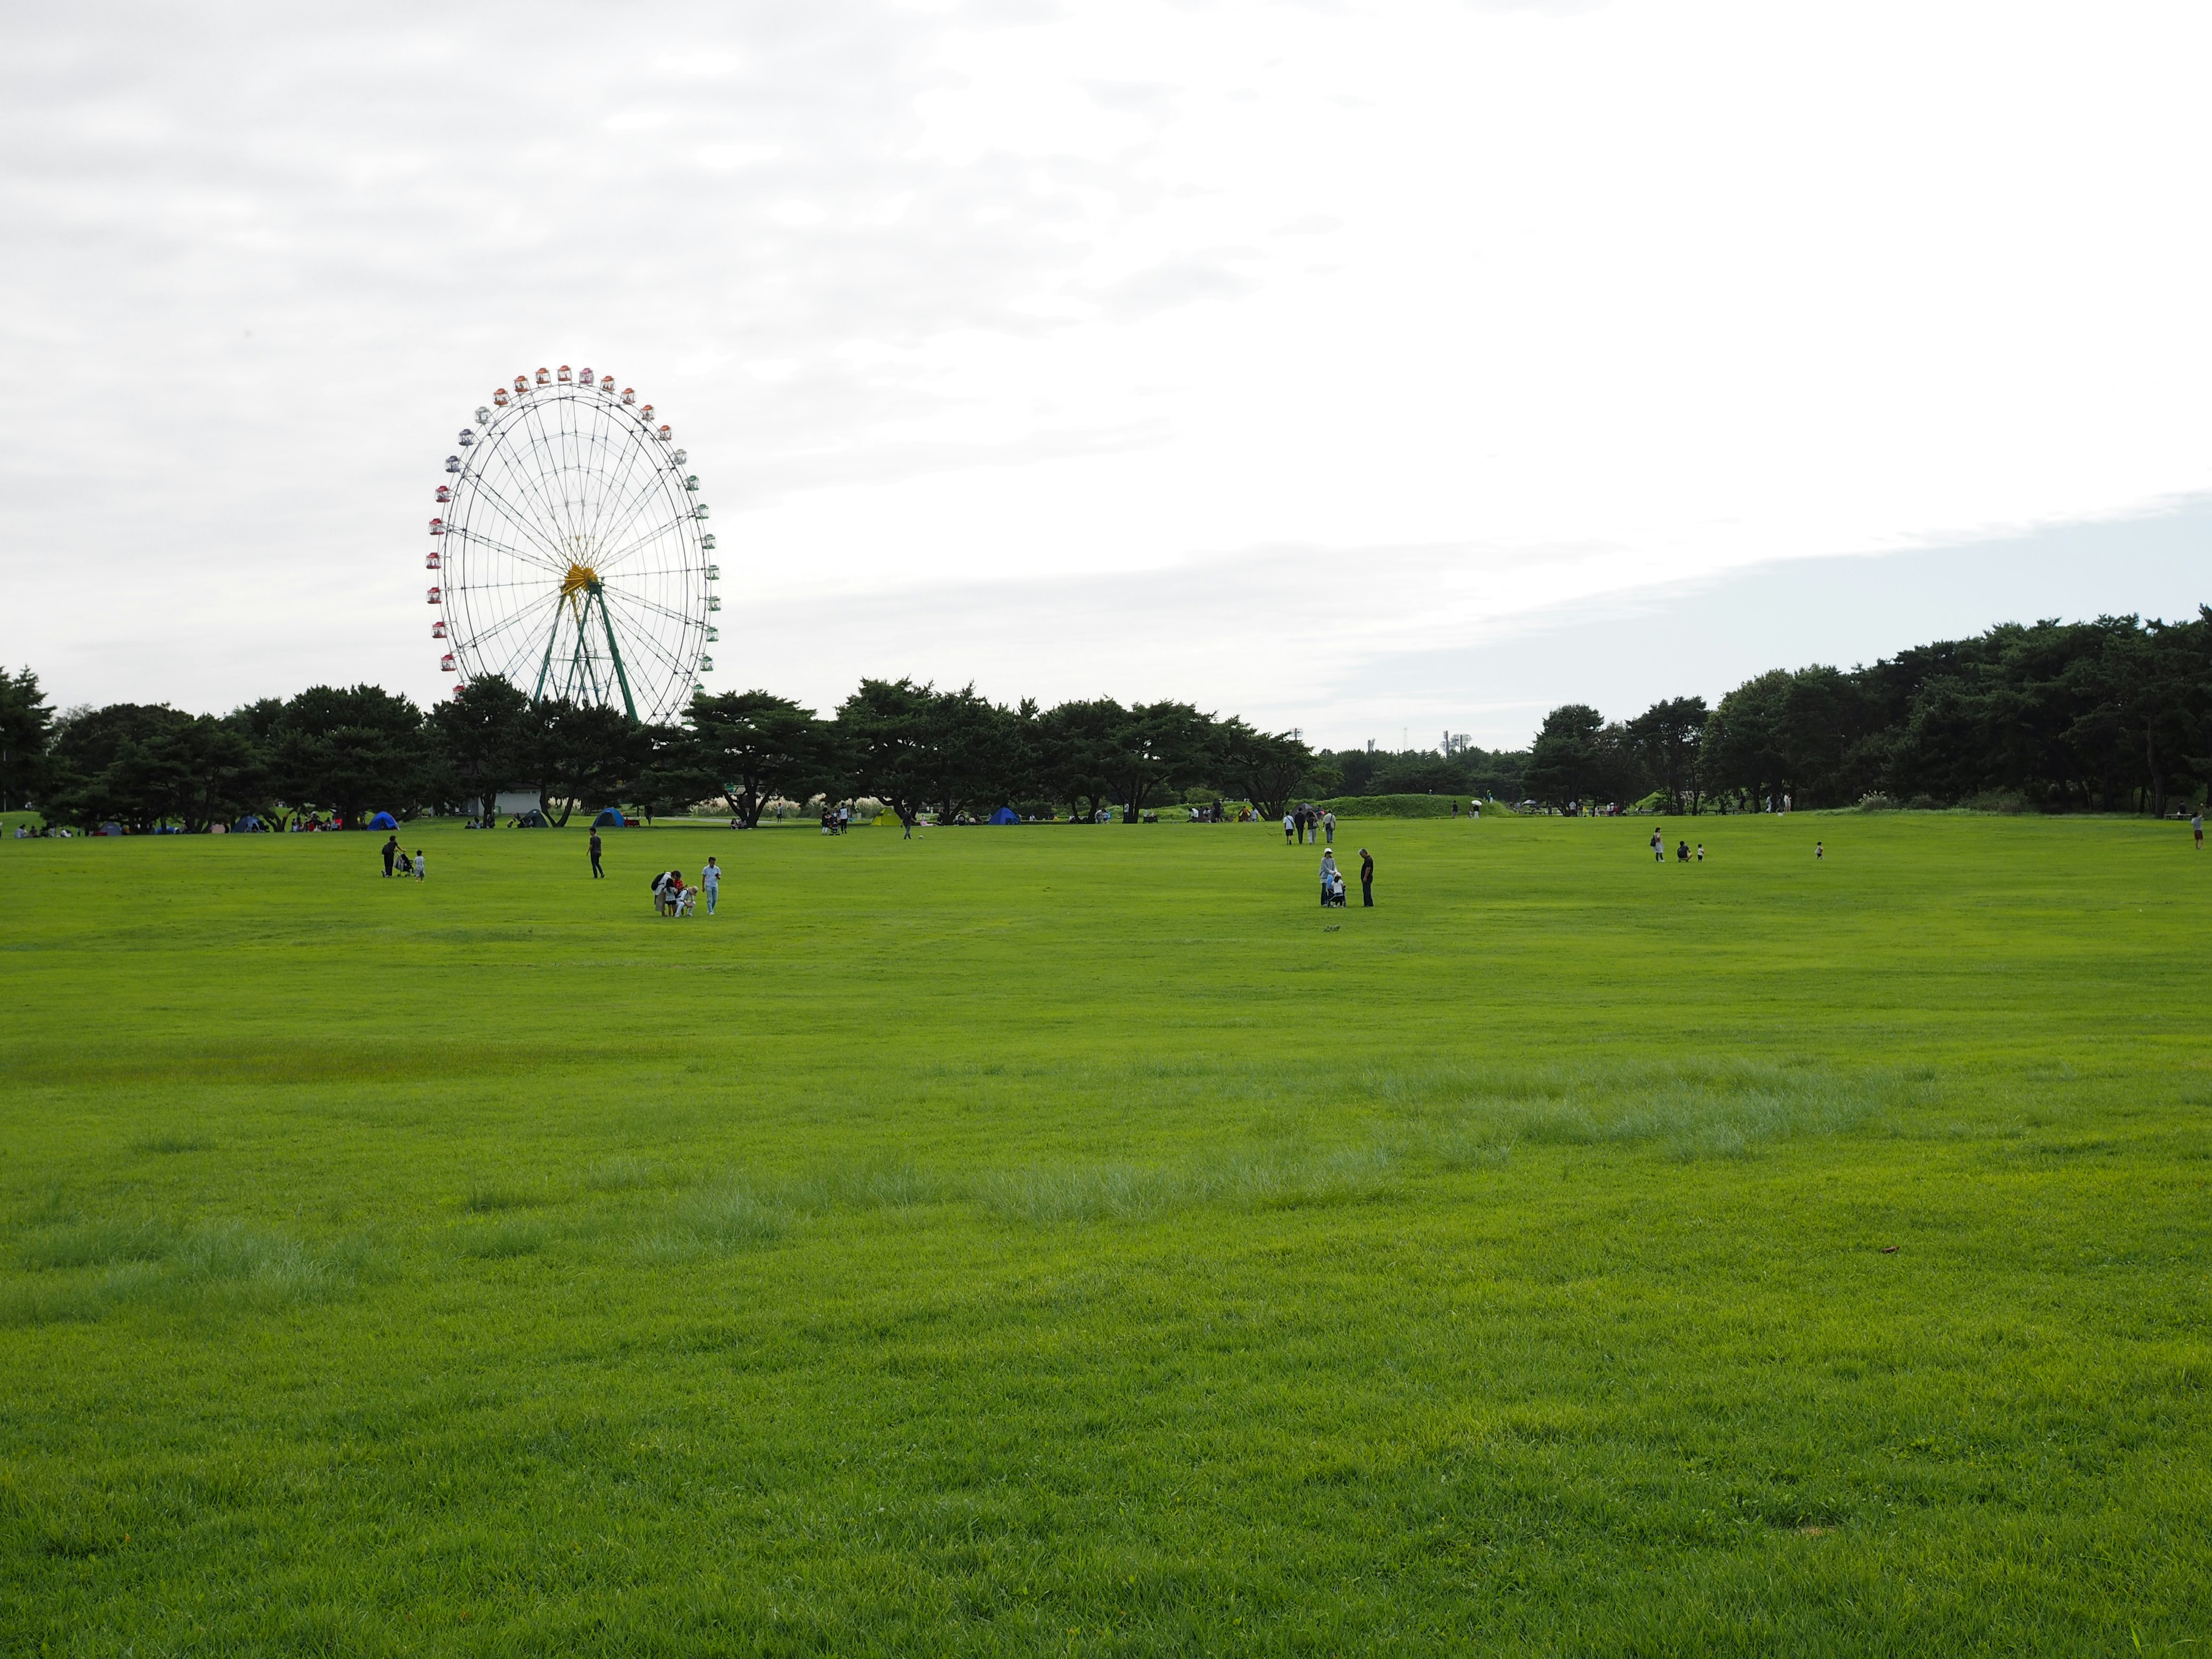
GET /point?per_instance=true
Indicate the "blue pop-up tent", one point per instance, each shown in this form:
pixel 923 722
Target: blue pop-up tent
pixel 609 819
pixel 1005 815
pixel 384 821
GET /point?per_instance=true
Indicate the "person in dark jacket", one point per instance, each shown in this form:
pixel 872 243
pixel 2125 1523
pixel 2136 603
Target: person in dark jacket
pixel 597 846
pixel 1366 878
pixel 391 851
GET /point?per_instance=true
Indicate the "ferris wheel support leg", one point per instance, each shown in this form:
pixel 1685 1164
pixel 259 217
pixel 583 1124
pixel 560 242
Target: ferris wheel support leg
pixel 546 666
pixel 622 674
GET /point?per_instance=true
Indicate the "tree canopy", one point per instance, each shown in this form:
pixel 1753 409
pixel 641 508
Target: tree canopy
pixel 2110 714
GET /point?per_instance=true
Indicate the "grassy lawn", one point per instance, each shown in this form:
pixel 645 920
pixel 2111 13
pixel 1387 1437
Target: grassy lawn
pixel 1075 1241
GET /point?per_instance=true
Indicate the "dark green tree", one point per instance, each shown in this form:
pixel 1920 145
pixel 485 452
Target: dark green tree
pixel 1075 752
pixel 101 769
pixel 884 728
pixel 583 755
pixel 27 724
pixel 1742 752
pixel 1565 762
pixel 356 750
pixel 974 754
pixel 749 747
pixel 1270 767
pixel 1157 746
pixel 1666 737
pixel 483 737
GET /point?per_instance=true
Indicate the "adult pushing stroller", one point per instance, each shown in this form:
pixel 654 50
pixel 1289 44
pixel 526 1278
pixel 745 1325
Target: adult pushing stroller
pixel 1332 884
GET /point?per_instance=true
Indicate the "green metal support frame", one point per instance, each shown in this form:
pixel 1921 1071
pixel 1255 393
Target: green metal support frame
pixel 578 670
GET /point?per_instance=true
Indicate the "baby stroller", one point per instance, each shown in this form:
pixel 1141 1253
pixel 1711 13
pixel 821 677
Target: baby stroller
pixel 1332 890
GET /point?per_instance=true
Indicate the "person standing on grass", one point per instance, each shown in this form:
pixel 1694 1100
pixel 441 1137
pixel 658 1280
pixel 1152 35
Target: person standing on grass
pixel 1819 850
pixel 1327 874
pixel 1290 828
pixel 1701 852
pixel 1328 827
pixel 1366 879
pixel 1658 847
pixel 2196 828
pixel 710 883
pixel 597 847
pixel 418 864
pixel 391 851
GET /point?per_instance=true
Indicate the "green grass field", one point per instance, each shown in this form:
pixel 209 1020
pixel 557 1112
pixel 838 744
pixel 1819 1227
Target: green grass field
pixel 1067 1240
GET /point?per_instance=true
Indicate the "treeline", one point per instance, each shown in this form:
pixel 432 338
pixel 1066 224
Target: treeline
pixel 348 753
pixel 2110 716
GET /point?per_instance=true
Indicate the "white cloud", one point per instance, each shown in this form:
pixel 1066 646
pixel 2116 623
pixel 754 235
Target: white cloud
pixel 964 300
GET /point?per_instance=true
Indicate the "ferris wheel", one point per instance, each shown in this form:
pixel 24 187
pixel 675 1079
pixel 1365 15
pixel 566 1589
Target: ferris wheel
pixel 572 552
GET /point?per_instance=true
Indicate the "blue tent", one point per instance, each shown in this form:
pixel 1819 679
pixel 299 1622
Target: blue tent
pixel 608 819
pixel 384 821
pixel 1005 815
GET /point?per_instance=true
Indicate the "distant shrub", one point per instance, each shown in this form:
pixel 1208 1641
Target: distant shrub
pixel 2000 800
pixel 1394 806
pixel 1877 802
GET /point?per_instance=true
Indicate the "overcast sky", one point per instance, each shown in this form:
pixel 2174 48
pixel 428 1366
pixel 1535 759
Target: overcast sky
pixel 1358 368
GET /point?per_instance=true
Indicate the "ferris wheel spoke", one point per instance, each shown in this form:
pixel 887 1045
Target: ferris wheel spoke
pixel 645 636
pixel 631 576
pixel 644 540
pixel 612 470
pixel 548 601
pixel 553 513
pixel 655 483
pixel 609 520
pixel 520 519
pixel 527 517
pixel 534 584
pixel 539 559
pixel 571 478
pixel 640 600
pixel 527 650
pixel 526 540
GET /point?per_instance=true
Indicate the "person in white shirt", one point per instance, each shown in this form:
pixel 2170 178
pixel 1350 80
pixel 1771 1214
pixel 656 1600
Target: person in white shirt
pixel 418 864
pixel 710 879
